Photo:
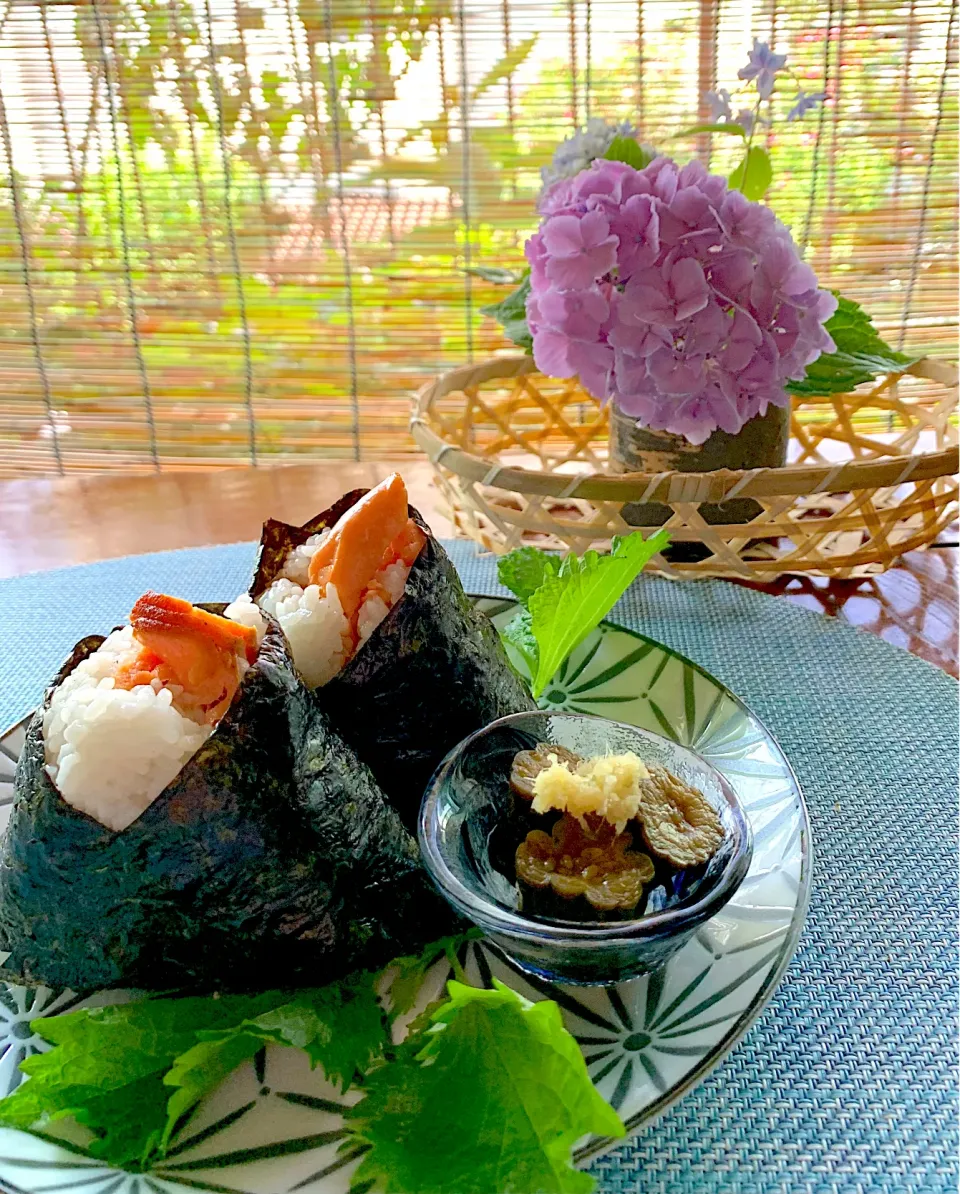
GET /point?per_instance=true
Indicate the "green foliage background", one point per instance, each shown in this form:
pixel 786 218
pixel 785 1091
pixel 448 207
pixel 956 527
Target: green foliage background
pixel 179 171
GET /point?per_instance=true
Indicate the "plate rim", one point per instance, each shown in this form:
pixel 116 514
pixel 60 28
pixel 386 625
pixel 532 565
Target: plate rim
pixel 717 1054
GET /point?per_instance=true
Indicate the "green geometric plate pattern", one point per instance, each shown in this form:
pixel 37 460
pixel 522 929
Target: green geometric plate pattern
pixel 274 1126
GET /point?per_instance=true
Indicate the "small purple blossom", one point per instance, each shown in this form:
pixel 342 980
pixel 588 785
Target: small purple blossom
pixel 578 314
pixel 805 103
pixel 762 65
pixel 719 104
pixel 666 295
pixel 679 298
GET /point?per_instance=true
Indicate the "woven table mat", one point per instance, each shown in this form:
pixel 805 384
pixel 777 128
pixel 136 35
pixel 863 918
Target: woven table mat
pixel 847 1084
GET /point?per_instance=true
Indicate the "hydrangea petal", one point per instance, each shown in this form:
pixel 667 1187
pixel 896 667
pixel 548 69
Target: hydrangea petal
pixel 688 287
pixel 637 228
pixel 562 236
pixel 551 353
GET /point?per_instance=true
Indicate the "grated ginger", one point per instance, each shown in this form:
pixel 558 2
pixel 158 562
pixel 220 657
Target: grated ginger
pixel 608 786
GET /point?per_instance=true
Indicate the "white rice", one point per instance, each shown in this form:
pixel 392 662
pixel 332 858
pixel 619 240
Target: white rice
pixel 246 611
pixel 316 628
pixel 112 751
pixel 297 564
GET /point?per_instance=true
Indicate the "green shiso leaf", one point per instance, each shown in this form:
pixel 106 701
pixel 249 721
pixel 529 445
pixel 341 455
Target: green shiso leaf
pixel 862 354
pixel 754 174
pixel 488 1092
pixel 131 1071
pixel 410 971
pixel 625 149
pixel 341 1028
pixel 570 602
pixel 524 570
pixel 112 1069
pixel 106 1068
pixel 492 1097
pixel 511 314
pixel 518 633
pixel 200 1070
pixel 135 1117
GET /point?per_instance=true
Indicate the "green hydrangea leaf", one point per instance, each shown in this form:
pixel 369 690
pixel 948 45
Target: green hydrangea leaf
pixel 491 1098
pixel 511 314
pixel 730 127
pixel 524 570
pixel 625 149
pixel 862 354
pixel 496 274
pixel 853 331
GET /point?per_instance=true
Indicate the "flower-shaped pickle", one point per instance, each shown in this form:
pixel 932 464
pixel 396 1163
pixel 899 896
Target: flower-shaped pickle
pixel 590 860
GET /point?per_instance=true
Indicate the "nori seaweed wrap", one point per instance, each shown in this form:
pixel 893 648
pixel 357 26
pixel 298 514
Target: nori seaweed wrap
pixel 432 672
pixel 271 859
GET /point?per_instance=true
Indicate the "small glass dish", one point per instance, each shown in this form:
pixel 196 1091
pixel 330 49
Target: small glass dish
pixel 469 799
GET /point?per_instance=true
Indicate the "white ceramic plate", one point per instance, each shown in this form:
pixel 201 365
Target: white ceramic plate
pixel 274 1127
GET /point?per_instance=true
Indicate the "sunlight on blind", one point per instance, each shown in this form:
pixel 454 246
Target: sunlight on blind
pixel 236 231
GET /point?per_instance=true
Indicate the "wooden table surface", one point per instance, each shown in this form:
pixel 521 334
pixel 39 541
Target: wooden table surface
pixel 51 523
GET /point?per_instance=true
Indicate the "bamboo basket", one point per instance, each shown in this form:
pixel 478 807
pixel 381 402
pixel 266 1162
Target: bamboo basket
pixel 522 458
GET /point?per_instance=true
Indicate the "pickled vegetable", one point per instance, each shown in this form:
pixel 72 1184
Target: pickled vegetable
pixel 587 858
pixel 611 809
pixel 679 824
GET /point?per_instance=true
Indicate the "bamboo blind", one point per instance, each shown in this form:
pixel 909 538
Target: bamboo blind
pixel 239 230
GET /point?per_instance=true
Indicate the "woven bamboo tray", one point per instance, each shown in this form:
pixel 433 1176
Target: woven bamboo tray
pixel 522 458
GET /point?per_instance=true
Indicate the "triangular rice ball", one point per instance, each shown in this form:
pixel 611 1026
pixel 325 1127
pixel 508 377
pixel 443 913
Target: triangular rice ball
pixel 433 672
pixel 271 860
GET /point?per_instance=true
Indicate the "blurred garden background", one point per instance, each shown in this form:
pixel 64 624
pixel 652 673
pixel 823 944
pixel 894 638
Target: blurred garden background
pixel 241 231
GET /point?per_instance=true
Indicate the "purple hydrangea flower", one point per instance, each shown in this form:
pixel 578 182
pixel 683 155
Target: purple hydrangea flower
pixel 805 103
pixel 676 296
pixel 637 227
pixel 762 65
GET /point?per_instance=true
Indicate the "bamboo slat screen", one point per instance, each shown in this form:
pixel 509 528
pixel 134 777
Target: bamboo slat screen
pixel 238 230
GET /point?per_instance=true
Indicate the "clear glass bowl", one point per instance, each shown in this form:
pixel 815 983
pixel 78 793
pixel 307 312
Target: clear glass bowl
pixel 467 802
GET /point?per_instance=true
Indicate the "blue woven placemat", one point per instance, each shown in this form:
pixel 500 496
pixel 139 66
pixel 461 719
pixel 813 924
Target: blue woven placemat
pixel 848 1082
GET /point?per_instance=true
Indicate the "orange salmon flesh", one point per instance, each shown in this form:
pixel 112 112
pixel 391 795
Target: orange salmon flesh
pixel 188 647
pixel 374 532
